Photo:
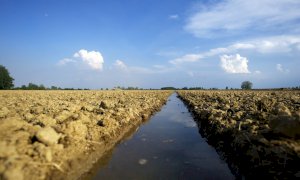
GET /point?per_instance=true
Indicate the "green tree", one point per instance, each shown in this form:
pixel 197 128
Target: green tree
pixel 54 88
pixel 23 87
pixel 32 86
pixel 168 88
pixel 41 87
pixel 6 81
pixel 246 85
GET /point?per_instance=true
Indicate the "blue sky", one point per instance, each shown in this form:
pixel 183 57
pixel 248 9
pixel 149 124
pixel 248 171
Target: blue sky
pixel 151 44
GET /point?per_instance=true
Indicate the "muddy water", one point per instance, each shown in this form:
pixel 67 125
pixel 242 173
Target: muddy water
pixel 167 147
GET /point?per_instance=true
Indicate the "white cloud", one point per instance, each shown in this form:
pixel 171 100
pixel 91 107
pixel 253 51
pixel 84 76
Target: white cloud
pixel 186 58
pixel 234 63
pixel 174 16
pixel 274 44
pixel 237 15
pixel 280 68
pixel 257 72
pixel 238 46
pixel 121 65
pixel 212 52
pixel 93 59
pixel 65 61
pixel 278 44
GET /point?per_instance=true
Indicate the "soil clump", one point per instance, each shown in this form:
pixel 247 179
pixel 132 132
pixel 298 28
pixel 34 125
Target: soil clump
pixel 258 132
pixel 61 134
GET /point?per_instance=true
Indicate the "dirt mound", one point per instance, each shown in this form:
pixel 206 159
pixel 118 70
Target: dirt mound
pixel 257 131
pixel 60 134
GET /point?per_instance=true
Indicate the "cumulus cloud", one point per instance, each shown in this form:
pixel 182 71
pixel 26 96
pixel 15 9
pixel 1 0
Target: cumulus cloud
pixel 280 68
pixel 236 15
pixel 234 63
pixel 93 59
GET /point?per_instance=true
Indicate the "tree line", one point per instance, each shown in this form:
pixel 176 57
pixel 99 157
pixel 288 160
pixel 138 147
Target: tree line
pixel 32 86
pixel 6 82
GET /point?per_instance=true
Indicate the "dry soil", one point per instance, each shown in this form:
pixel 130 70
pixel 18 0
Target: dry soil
pixel 258 132
pixel 61 134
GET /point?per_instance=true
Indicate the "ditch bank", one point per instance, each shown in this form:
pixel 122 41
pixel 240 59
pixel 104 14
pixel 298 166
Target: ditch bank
pixel 61 134
pixel 256 132
pixel 168 146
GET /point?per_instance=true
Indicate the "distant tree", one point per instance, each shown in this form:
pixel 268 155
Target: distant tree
pixel 32 86
pixel 168 88
pixel 54 88
pixel 42 87
pixel 226 88
pixel 6 81
pixel 23 87
pixel 246 85
pixel 196 88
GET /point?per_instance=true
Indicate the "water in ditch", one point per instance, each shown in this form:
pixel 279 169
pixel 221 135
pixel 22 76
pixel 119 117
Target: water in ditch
pixel 168 146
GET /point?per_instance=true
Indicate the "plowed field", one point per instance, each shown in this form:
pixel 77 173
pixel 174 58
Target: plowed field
pixel 256 131
pixel 60 134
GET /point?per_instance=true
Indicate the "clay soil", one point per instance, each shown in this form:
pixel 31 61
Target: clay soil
pixel 257 132
pixel 61 134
